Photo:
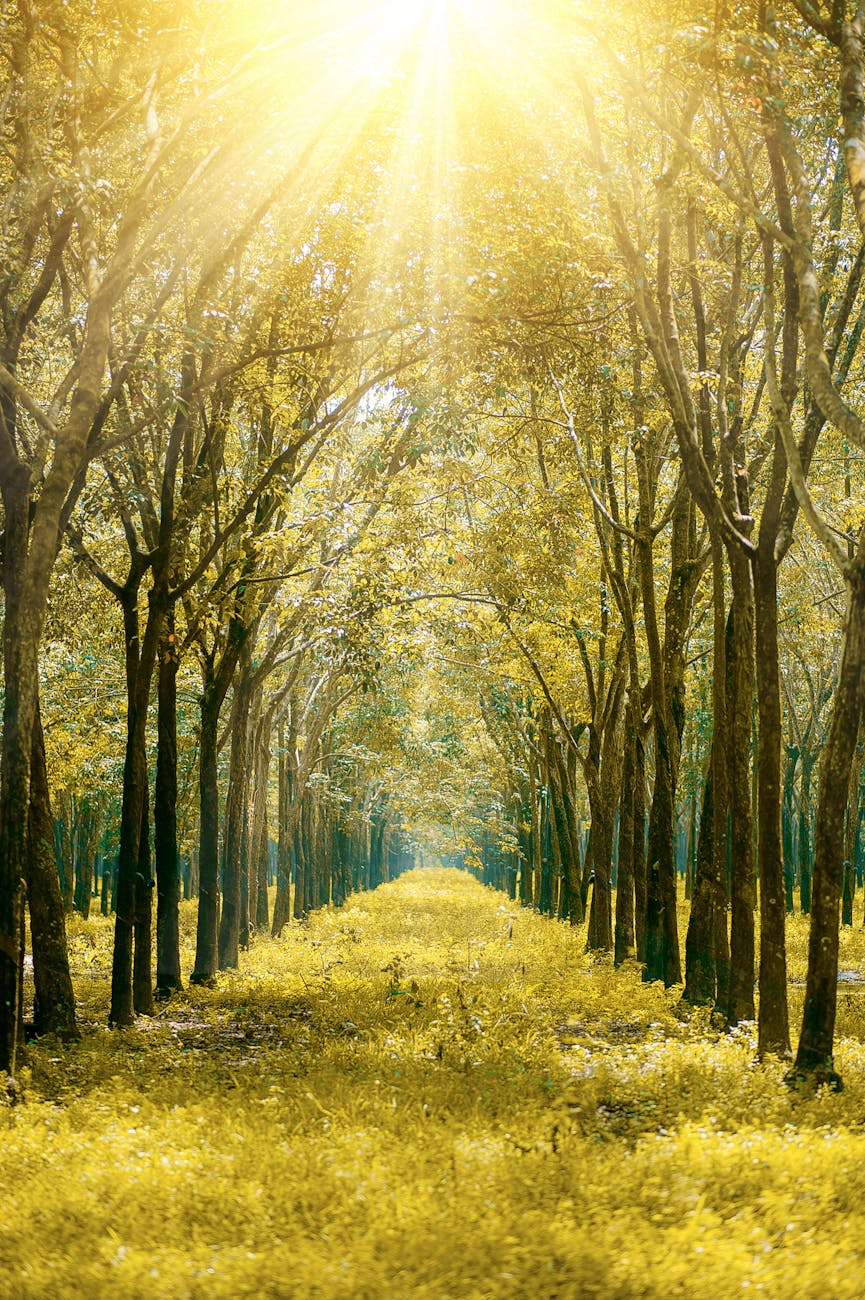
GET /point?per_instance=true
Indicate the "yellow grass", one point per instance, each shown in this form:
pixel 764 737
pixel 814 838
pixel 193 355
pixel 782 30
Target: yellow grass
pixel 428 1094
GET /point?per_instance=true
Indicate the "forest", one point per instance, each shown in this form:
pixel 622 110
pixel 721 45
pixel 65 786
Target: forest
pixel 432 539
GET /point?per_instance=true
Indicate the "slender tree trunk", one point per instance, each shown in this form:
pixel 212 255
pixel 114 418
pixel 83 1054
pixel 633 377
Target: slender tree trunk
pixel 639 870
pixel 301 873
pixel 259 839
pixel 805 831
pixel 235 818
pixel 87 834
pixel 787 824
pixel 525 841
pixel 625 946
pixel 54 1004
pixel 134 905
pixel 243 928
pixel 773 1025
pixel 206 950
pixel 700 976
pixel 814 1056
pixel 262 917
pixel 283 852
pixel 600 933
pixel 22 624
pixel 567 820
pixel 168 974
pixel 851 835
pixel 105 893
pixel 63 851
pixel 122 1011
pixel 142 976
pixel 740 675
pixel 662 942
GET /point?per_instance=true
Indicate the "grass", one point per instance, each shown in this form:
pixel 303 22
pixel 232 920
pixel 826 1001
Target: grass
pixel 428 1093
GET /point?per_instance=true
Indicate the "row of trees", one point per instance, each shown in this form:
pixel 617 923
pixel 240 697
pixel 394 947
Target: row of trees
pixel 464 482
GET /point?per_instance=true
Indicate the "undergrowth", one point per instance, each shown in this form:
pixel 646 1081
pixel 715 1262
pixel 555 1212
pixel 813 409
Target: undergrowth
pixel 428 1093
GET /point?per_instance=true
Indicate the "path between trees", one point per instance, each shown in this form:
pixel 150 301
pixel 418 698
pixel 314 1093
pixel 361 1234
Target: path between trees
pixel 427 1092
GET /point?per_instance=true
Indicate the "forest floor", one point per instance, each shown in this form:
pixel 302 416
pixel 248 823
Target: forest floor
pixel 429 1093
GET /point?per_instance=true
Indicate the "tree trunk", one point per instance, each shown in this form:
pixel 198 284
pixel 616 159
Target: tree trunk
pixel 640 881
pixel 700 975
pixel 600 932
pixel 140 657
pixel 168 974
pixel 662 940
pixel 54 1003
pixel 259 838
pixel 525 841
pixel 142 972
pixel 740 677
pixel 773 1027
pixel 814 1056
pixel 262 917
pixel 805 831
pixel 21 633
pixel 283 852
pixel 301 872
pixel 235 818
pixel 625 947
pixel 207 929
pixel 851 836
pixel 787 824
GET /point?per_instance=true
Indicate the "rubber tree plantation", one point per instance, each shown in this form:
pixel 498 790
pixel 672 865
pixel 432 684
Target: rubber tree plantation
pixel 432 543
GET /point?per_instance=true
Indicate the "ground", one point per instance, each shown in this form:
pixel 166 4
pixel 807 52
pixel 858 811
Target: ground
pixel 429 1093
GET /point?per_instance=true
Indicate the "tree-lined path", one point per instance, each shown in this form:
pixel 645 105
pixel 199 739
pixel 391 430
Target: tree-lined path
pixel 427 1093
pixel 432 432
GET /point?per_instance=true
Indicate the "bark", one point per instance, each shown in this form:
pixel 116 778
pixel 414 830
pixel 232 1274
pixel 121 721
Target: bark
pixel 640 882
pixel 142 977
pixel 206 949
pixel 54 1003
pixel 235 818
pixel 851 836
pixel 807 760
pixel 666 675
pixel 566 821
pixel 216 680
pixel 283 854
pixel 740 677
pixel 814 1057
pixel 301 875
pixel 23 612
pixel 662 942
pixel 625 944
pixel 140 660
pixel 87 825
pixel 259 838
pixel 787 821
pixel 600 931
pixel 525 841
pixel 244 872
pixel 168 973
pixel 63 850
pixel 720 782
pixel 700 975
pixel 262 917
pixel 773 1026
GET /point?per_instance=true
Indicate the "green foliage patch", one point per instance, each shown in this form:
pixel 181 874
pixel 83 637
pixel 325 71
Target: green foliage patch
pixel 428 1093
